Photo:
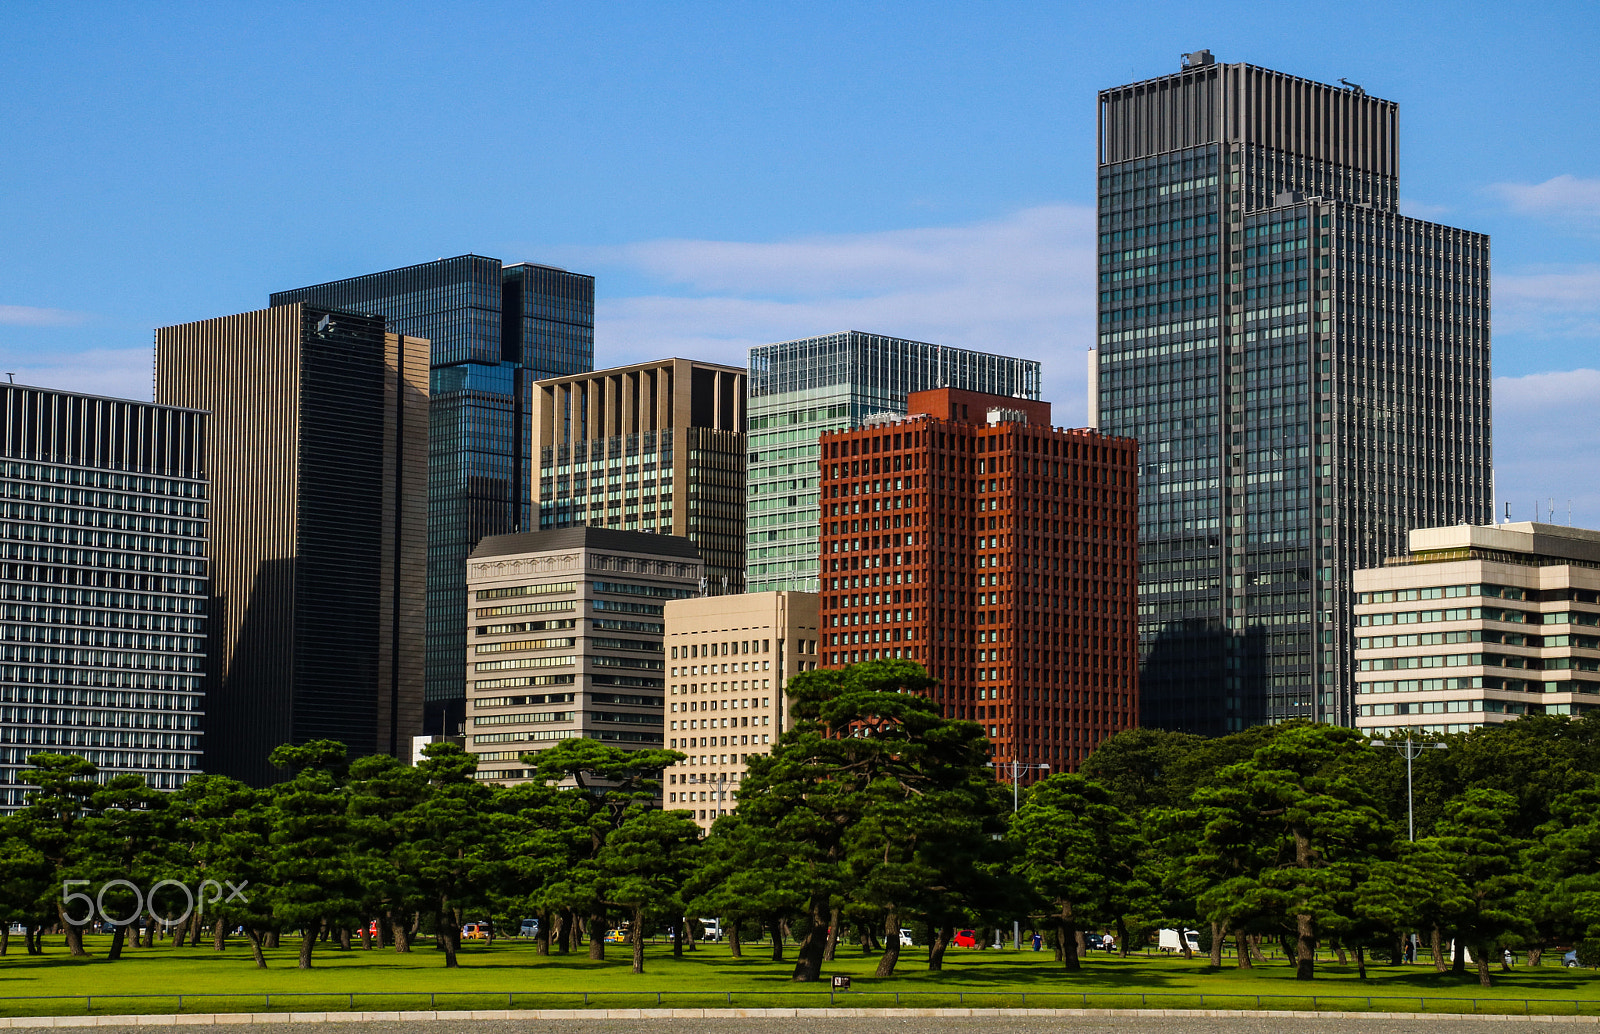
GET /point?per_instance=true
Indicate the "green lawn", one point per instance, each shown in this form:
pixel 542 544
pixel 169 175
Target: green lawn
pixel 510 972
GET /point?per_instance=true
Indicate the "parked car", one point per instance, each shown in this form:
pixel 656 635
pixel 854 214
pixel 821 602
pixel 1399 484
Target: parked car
pixel 966 938
pixel 529 928
pixel 475 932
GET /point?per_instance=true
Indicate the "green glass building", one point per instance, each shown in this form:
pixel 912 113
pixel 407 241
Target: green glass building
pixel 799 389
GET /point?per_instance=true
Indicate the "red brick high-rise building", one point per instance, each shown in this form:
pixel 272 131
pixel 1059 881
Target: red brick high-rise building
pixel 1000 553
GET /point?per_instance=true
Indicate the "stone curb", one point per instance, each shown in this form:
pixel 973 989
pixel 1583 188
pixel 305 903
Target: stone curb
pixel 217 1019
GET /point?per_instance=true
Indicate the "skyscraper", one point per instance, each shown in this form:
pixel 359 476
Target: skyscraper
pixel 998 552
pixel 495 330
pixel 1306 370
pixel 566 640
pixel 317 451
pixel 799 389
pixel 656 447
pixel 102 585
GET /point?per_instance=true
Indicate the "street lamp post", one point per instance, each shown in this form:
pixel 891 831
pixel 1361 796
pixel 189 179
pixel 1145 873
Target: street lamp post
pixel 1411 749
pixel 1016 773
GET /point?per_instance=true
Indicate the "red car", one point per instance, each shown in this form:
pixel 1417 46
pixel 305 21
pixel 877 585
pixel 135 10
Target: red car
pixel 966 938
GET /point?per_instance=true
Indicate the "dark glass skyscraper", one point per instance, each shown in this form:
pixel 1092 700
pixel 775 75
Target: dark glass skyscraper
pixel 495 330
pixel 1306 370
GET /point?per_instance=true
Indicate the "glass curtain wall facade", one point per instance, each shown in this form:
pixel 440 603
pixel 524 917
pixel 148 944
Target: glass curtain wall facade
pixel 1306 369
pixel 495 329
pixel 102 586
pixel 801 389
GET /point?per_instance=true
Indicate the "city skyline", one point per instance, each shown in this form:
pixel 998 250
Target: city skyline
pixel 985 241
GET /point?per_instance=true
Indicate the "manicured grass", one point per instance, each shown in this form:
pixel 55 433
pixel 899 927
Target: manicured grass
pixel 510 973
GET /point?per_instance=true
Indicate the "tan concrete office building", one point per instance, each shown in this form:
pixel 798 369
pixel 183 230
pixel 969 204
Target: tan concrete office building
pixel 728 660
pixel 1478 625
pixel 657 447
pixel 317 447
pixel 565 640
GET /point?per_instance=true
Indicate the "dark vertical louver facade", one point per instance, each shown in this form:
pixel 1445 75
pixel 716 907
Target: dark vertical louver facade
pixel 1306 369
pixel 318 443
pixel 102 585
pixel 495 329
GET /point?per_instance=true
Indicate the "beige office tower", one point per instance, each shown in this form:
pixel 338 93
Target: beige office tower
pixel 318 451
pixel 728 660
pixel 658 447
pixel 564 640
pixel 1478 625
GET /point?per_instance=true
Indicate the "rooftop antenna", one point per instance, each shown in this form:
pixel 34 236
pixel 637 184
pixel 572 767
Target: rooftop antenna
pixel 1508 511
pixel 12 376
pixel 1355 88
pixel 1551 512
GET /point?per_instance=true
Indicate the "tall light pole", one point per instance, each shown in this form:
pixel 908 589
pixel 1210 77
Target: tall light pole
pixel 1016 773
pixel 1411 749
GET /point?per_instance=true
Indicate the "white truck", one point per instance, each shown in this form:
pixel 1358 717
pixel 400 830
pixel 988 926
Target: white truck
pixel 1174 940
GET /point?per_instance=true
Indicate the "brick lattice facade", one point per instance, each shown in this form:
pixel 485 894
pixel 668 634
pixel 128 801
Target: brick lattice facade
pixel 999 552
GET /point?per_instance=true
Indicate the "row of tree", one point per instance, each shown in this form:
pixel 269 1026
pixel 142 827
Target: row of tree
pixel 873 812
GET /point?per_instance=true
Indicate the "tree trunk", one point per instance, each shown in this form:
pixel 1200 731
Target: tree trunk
pixel 564 931
pixel 1305 959
pixel 541 940
pixel 833 936
pixel 219 934
pixel 1361 962
pixel 735 940
pixel 255 946
pixel 5 938
pixel 274 939
pixel 1481 960
pixel 74 935
pixel 116 944
pixel 1068 933
pixel 449 937
pixel 309 941
pixel 1241 943
pixel 344 938
pixel 1338 951
pixel 1458 965
pixel 1436 943
pixel 638 939
pixel 1183 940
pixel 402 939
pixel 777 940
pixel 366 936
pixel 194 934
pixel 1534 955
pixel 891 944
pixel 812 947
pixel 597 936
pixel 936 950
pixel 1122 939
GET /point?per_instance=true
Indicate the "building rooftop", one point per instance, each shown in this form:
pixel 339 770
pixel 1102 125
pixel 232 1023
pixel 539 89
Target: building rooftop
pixel 585 537
pixel 1472 541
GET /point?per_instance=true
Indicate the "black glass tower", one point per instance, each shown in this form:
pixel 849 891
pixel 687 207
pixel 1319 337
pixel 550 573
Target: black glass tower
pixel 1306 370
pixel 495 330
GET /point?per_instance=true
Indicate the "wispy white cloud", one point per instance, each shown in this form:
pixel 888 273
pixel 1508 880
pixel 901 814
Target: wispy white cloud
pixel 1563 197
pixel 1545 441
pixel 118 372
pixel 1559 302
pixel 30 316
pixel 1022 285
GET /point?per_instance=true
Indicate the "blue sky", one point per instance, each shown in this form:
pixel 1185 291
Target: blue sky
pixel 738 173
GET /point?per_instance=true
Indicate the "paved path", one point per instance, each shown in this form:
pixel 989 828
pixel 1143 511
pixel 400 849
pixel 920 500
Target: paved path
pixel 832 1022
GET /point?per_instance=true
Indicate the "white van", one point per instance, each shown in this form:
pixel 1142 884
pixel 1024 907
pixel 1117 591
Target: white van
pixel 710 929
pixel 1169 940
